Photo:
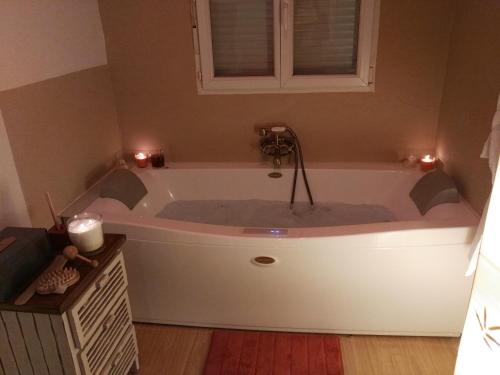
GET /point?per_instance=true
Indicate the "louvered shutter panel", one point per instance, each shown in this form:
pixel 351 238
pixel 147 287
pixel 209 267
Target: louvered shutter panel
pixel 325 35
pixel 242 37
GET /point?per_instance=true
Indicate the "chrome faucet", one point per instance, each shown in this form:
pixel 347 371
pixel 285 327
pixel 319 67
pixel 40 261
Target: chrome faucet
pixel 279 141
pixel 276 143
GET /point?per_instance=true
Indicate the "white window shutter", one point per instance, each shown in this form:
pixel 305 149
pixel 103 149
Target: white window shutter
pixel 328 45
pixel 251 46
pixel 239 45
pixel 325 36
pixel 242 37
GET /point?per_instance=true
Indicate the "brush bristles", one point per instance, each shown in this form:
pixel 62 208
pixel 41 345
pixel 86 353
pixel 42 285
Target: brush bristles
pixel 57 281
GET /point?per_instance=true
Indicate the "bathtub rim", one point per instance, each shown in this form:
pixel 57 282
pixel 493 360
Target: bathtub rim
pixel 83 200
pixel 465 227
pixel 387 234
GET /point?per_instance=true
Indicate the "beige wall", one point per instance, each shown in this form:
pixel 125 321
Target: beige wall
pixel 56 100
pixel 45 38
pixel 470 96
pixel 150 53
pixel 13 211
pixel 58 105
pixel 63 134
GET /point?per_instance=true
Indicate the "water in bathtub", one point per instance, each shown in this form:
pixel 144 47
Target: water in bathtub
pixel 264 213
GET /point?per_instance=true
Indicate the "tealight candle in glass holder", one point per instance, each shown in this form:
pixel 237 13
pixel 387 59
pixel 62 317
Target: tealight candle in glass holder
pixel 141 159
pixel 85 231
pixel 427 163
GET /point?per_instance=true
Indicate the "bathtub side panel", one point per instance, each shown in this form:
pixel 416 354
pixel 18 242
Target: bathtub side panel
pixel 330 288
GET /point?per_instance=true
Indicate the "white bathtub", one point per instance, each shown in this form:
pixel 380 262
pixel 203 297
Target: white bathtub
pixel 395 278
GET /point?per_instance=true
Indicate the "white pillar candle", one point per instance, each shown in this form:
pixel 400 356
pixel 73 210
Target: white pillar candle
pixel 85 231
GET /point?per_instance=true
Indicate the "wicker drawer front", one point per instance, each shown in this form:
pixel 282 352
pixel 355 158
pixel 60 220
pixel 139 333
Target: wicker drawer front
pixel 124 355
pixel 100 347
pixel 88 314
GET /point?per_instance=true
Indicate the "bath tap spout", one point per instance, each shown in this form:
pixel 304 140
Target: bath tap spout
pixel 277 162
pixel 277 155
pixel 277 146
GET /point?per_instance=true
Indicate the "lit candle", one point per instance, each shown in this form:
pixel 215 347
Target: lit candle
pixel 427 163
pixel 141 159
pixel 85 231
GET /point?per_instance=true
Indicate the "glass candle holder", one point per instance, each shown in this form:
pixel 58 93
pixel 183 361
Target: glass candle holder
pixel 427 163
pixel 141 159
pixel 410 161
pixel 85 231
pixel 157 159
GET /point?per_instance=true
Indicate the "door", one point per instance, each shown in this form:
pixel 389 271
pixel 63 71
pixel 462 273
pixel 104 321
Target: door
pixel 479 352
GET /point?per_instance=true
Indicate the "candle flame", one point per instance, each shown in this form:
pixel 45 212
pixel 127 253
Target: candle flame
pixel 428 159
pixel 140 156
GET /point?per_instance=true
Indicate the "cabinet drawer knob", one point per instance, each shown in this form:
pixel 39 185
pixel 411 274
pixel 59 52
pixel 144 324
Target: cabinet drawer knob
pixel 102 281
pixel 108 321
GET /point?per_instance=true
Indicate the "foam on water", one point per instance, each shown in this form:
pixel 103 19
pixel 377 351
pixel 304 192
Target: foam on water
pixel 263 213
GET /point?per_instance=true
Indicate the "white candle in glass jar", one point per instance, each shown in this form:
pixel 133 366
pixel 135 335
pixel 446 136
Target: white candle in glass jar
pixel 85 231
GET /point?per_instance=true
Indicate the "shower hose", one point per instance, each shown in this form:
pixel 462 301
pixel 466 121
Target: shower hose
pixel 298 156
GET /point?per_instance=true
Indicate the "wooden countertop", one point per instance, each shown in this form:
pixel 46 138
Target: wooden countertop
pixel 59 303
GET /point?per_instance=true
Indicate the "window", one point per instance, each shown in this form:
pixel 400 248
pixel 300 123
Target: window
pixel 249 46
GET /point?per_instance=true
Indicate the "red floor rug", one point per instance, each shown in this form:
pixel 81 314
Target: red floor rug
pixel 273 353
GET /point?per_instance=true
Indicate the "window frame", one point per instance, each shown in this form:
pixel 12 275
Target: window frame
pixel 209 81
pixel 283 80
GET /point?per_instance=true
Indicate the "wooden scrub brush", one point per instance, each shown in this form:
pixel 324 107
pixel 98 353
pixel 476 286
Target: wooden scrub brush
pixel 56 282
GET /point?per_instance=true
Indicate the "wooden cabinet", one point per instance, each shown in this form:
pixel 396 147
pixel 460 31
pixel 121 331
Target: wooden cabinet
pixel 88 330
